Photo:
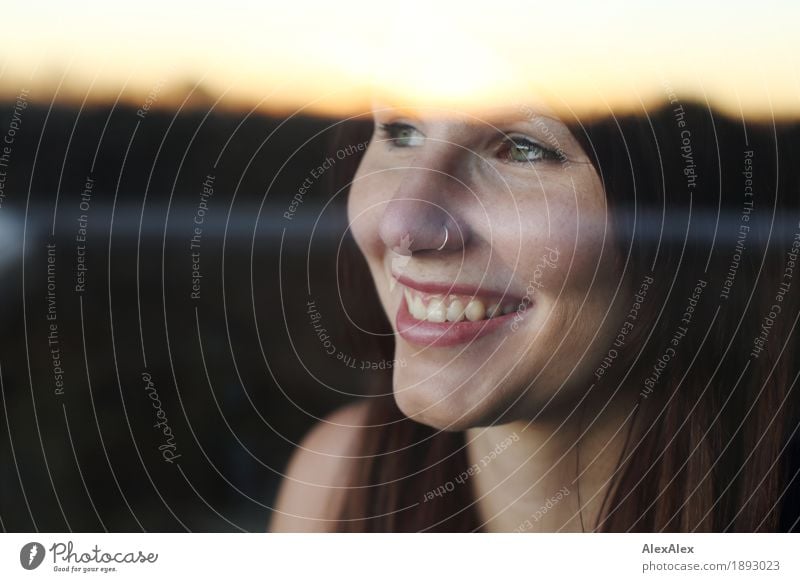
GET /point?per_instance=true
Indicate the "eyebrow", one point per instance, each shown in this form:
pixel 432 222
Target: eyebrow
pixel 525 112
pixel 507 114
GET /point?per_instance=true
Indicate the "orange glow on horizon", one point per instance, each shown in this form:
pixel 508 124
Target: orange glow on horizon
pixel 585 57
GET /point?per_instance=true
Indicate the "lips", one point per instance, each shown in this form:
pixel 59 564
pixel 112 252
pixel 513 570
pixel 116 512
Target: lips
pixel 449 315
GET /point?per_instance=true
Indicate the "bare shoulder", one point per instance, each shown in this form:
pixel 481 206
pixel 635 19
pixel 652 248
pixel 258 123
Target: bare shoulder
pixel 314 487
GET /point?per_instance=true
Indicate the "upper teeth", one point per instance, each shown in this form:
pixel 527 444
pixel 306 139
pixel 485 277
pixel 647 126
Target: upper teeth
pixel 453 308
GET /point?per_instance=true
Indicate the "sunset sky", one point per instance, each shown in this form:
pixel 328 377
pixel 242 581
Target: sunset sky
pixel 329 57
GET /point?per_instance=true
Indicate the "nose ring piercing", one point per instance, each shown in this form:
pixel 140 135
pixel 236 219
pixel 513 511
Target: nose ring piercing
pixel 446 236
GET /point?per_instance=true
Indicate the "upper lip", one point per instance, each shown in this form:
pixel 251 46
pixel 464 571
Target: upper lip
pixel 453 288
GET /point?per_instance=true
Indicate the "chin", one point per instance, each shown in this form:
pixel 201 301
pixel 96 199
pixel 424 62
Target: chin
pixel 440 415
pixel 449 404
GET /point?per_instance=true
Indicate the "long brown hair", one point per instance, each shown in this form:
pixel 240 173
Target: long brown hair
pixel 704 208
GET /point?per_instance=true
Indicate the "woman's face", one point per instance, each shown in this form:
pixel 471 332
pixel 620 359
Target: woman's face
pixel 491 250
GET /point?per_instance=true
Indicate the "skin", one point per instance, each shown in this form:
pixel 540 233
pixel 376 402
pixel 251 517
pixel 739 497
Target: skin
pixel 505 215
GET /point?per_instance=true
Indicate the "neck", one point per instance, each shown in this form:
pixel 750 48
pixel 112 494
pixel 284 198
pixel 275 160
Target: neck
pixel 552 474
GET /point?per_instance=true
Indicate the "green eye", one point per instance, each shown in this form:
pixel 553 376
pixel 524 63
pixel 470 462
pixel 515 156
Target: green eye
pixel 402 135
pixel 524 150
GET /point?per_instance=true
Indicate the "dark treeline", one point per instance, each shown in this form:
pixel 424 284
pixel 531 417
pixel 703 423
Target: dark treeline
pixel 149 382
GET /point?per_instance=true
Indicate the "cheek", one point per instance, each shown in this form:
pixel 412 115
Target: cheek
pixel 560 242
pixel 365 205
pixel 586 245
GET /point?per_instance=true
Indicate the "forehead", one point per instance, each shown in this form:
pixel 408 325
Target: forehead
pixel 530 112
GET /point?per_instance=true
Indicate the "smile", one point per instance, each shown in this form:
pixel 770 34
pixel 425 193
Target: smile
pixel 430 318
pixel 453 308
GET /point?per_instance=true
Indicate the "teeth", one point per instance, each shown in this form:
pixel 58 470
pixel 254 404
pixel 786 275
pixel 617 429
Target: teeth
pixel 417 308
pixel 455 312
pixel 436 311
pixel 452 308
pixel 475 310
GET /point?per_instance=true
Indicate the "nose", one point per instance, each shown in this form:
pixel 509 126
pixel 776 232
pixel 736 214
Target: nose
pixel 420 218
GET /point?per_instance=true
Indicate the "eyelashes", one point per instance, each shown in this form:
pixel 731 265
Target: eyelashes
pixel 401 135
pixel 520 149
pixel 512 149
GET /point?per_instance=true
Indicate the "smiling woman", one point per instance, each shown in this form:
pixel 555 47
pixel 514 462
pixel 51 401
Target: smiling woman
pixel 581 303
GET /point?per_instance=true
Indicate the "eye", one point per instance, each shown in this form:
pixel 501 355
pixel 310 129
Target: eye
pixel 519 149
pixel 402 135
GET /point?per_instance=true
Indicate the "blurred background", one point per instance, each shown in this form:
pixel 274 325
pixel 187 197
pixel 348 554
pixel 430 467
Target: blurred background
pixel 169 208
pixel 158 360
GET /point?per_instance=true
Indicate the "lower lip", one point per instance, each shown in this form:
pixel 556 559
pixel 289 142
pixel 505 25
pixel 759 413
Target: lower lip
pixel 447 334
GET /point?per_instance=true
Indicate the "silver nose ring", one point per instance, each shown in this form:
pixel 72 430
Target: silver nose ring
pixel 446 237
